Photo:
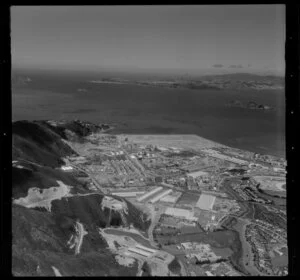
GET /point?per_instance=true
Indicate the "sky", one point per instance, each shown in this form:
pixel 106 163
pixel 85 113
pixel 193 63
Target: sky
pixel 222 37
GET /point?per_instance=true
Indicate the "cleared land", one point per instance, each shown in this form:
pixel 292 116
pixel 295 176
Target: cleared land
pixel 271 183
pixel 176 140
pixel 206 202
pixel 43 197
pixel 188 199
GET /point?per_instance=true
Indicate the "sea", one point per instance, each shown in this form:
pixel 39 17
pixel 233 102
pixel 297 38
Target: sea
pixel 135 109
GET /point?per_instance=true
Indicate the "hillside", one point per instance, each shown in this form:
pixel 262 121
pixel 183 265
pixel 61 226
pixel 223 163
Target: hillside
pixel 42 177
pixel 41 236
pixel 40 242
pixel 33 141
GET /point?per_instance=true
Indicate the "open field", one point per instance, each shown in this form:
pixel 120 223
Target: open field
pixel 280 260
pixel 180 141
pixel 206 202
pixel 271 183
pixel 188 199
pixel 138 238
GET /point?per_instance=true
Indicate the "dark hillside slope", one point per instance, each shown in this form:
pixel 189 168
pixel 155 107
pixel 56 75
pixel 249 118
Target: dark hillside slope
pixel 79 128
pixel 35 142
pixel 40 238
pixel 88 210
pixel 40 242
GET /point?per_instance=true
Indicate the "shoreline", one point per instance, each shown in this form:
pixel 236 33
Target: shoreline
pixel 123 131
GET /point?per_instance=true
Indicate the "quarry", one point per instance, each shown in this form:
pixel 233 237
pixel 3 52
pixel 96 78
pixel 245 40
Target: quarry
pixel 43 198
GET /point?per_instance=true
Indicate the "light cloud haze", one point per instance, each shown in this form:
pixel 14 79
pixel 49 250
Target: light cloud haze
pixel 149 37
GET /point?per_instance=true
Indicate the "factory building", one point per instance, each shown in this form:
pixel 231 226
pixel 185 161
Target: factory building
pixel 152 251
pixel 67 168
pixel 169 199
pixel 161 195
pixel 128 194
pixel 149 194
pixel 140 252
pixel 197 174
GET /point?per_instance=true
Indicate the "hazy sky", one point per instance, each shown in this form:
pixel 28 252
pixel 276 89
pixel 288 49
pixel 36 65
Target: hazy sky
pixel 234 37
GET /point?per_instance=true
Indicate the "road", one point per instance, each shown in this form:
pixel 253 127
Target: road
pixel 81 233
pixel 155 215
pixel 56 271
pixel 31 162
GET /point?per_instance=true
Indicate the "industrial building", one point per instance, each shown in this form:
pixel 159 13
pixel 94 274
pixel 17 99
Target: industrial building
pixel 141 198
pixel 187 245
pixel 67 168
pixel 152 251
pixel 197 174
pixel 206 202
pixel 161 195
pixel 140 252
pixel 128 194
pixel 169 199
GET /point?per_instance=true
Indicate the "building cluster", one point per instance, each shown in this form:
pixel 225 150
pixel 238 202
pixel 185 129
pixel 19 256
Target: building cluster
pixel 221 269
pixel 127 167
pixel 216 154
pixel 128 194
pixel 106 140
pixel 271 161
pixel 227 206
pixel 198 253
pixel 210 221
pixel 248 193
pixel 277 233
pixel 66 168
pixel 128 170
pixel 159 195
pixel 142 250
pixel 260 235
pixel 185 191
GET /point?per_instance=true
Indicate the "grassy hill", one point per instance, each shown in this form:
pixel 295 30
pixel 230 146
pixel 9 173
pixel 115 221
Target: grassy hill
pixel 34 142
pixel 40 237
pixel 40 242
